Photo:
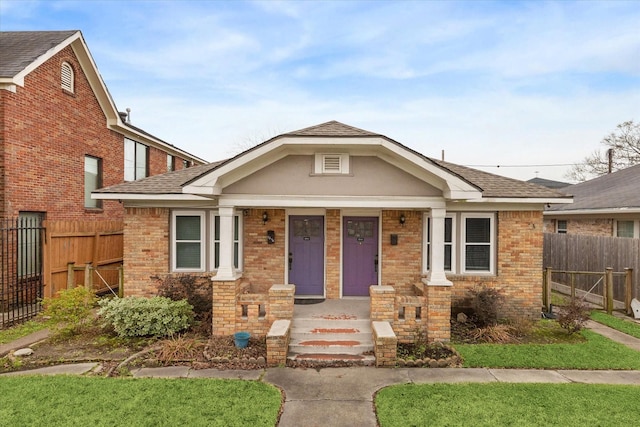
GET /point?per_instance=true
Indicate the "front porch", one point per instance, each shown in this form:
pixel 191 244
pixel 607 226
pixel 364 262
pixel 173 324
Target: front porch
pixel 356 330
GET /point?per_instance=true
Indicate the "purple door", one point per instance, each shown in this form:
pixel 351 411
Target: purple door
pixel 306 254
pixel 360 250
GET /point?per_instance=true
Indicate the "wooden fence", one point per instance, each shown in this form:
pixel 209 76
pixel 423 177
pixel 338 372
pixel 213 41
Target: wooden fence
pixel 572 252
pixel 81 243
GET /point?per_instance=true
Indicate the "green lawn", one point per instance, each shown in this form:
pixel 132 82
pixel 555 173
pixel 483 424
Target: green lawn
pixel 501 404
pixel 21 330
pixel 630 328
pixel 82 401
pixel 595 353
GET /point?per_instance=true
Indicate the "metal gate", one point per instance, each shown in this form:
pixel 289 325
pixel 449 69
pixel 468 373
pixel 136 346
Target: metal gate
pixel 21 283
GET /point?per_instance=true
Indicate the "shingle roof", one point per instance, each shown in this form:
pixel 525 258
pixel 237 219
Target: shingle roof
pixel 498 186
pixel 549 183
pixel 491 185
pixel 18 49
pixel 167 183
pixel 617 190
pixel 331 128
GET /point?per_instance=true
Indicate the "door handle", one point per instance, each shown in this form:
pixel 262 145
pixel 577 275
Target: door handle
pixel 290 260
pixel 375 263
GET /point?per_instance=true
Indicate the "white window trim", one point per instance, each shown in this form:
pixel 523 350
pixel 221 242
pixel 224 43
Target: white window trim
pixel 454 243
pixel 319 165
pixel 67 77
pixel 203 227
pixel 463 244
pixel 562 230
pixel 636 227
pixel 212 241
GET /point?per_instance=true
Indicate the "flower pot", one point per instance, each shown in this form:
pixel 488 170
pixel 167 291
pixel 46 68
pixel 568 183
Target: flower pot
pixel 241 339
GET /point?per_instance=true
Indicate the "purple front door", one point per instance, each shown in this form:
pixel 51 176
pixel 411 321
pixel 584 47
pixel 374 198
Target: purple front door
pixel 360 250
pixel 306 255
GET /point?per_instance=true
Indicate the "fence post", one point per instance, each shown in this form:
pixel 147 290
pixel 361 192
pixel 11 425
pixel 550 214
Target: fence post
pixel 628 290
pixel 572 275
pixel 71 275
pixel 121 281
pixel 546 291
pixel 88 276
pixel 608 286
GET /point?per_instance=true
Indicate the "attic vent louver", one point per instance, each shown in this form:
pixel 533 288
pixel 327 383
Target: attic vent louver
pixel 332 164
pixel 66 76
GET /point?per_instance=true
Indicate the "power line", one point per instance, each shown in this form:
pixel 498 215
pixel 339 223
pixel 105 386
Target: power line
pixel 521 166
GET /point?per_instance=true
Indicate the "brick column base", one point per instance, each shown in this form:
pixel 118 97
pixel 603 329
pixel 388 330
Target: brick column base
pixel 438 313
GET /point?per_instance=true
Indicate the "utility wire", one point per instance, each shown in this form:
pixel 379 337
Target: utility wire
pixel 520 166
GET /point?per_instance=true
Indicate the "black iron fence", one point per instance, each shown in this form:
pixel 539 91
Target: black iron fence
pixel 21 279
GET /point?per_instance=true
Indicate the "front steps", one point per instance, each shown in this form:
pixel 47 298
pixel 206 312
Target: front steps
pixel 331 339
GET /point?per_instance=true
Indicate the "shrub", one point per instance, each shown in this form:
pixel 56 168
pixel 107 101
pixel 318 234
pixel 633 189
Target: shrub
pixel 70 310
pixel 198 294
pixel 486 303
pixel 574 315
pixel 141 317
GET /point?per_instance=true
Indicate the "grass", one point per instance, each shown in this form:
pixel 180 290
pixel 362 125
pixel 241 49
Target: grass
pixel 507 404
pixel 21 330
pixel 65 401
pixel 629 328
pixel 597 352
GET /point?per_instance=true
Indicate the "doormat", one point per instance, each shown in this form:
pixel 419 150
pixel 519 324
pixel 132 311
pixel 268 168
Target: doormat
pixel 305 301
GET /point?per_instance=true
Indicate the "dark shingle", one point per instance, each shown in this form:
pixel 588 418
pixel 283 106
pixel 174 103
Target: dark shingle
pixel 332 128
pixel 18 49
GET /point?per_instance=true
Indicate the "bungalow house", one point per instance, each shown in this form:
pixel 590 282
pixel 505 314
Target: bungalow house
pixel 608 205
pixel 336 212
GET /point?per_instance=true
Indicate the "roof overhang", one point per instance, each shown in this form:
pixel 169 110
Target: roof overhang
pixel 600 212
pixel 243 165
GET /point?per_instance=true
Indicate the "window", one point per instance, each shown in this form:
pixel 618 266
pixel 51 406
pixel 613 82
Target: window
pixel 186 164
pixel 624 229
pixel 236 241
pixel 188 241
pixel 92 180
pixel 331 164
pixel 561 226
pixel 135 160
pixel 66 77
pixel 29 243
pixel 171 163
pixel 449 236
pixel 477 243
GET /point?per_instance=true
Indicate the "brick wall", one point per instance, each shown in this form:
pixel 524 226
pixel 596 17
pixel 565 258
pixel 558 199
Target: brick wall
pixel 146 249
pixel 46 133
pixel 519 266
pixel 402 263
pixel 263 263
pixel 333 261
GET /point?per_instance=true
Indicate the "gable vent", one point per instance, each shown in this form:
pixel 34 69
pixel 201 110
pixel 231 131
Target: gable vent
pixel 332 163
pixel 66 73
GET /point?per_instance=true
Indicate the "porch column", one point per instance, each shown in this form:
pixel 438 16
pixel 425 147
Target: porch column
pixel 437 276
pixel 226 270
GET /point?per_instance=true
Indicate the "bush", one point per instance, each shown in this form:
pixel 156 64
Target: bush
pixel 198 294
pixel 573 316
pixel 141 317
pixel 486 303
pixel 70 310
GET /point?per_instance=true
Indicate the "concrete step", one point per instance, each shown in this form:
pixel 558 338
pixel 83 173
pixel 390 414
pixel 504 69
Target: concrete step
pixel 324 339
pixel 313 324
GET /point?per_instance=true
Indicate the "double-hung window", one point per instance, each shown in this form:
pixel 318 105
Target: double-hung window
pixel 136 165
pixel 626 229
pixel 478 243
pixel 188 238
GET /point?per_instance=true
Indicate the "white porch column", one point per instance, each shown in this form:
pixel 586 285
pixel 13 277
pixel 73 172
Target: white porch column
pixel 437 276
pixel 226 270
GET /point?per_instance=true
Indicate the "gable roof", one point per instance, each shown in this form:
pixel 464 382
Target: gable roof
pixel 182 182
pixel 617 191
pixel 549 183
pixel 21 52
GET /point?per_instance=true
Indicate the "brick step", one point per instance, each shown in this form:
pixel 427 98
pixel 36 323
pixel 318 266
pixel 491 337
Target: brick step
pixel 331 337
pixel 324 359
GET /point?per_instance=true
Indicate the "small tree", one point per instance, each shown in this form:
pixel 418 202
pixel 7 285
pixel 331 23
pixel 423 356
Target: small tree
pixel 625 145
pixel 70 311
pixel 486 303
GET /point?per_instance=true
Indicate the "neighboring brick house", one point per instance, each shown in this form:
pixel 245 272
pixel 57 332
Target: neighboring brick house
pixel 337 211
pixel 61 135
pixel 605 206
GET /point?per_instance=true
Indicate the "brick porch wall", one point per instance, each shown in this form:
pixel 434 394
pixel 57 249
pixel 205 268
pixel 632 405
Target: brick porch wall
pixel 402 263
pixel 263 264
pixel 333 261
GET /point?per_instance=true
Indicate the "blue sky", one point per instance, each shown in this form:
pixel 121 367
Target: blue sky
pixel 490 83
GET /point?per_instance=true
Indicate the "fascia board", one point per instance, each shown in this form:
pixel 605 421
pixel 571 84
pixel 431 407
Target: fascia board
pixel 129 196
pixel 517 200
pixel 604 211
pixel 382 202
